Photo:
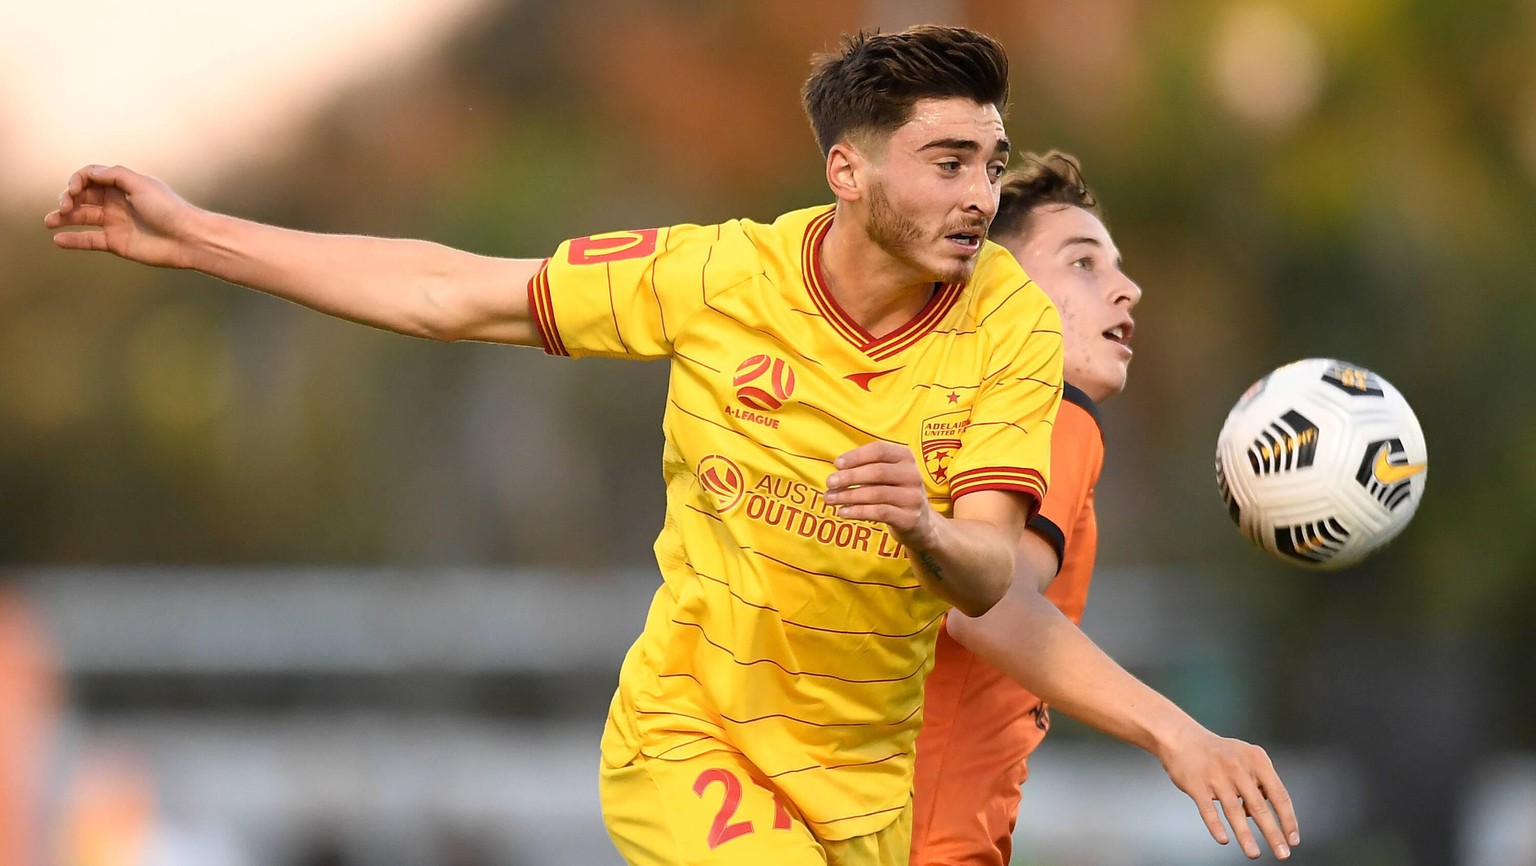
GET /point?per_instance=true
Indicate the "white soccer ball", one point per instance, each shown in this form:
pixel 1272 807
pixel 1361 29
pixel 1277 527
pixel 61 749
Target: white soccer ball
pixel 1321 463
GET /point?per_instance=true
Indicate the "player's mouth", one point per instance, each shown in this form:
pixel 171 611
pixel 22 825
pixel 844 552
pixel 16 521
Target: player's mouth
pixel 970 241
pixel 1120 335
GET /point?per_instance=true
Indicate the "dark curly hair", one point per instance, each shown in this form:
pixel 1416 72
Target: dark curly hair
pixel 871 83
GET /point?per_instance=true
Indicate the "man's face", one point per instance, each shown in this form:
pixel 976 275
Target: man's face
pixel 1069 253
pixel 933 187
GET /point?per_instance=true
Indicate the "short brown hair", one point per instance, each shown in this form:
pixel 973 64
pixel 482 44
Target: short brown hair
pixel 872 82
pixel 1051 178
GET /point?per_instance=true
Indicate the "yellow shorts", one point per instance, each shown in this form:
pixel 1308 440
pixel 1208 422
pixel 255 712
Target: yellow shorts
pixel 715 809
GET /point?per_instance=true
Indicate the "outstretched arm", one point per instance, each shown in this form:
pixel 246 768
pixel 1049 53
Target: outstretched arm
pixel 411 287
pixel 1027 638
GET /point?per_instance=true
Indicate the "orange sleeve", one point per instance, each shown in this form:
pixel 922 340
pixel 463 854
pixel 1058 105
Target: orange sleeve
pixel 979 726
pixel 1077 453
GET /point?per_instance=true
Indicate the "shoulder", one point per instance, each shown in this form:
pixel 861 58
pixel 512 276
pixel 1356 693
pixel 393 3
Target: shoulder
pixel 999 282
pixel 793 224
pixel 1077 439
pixel 789 231
pixel 1081 410
pixel 714 256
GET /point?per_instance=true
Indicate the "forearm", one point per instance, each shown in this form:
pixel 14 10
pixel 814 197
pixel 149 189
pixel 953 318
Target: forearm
pixel 968 563
pixel 1032 642
pixel 408 286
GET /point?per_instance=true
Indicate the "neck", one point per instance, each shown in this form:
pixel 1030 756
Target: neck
pixel 1096 393
pixel 878 291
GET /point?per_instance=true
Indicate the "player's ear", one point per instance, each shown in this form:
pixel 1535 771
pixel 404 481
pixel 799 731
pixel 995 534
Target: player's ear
pixel 846 171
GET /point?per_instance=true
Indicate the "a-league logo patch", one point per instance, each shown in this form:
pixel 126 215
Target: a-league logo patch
pixel 763 382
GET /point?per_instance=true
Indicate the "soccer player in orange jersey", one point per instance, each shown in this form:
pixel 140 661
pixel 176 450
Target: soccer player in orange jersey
pixel 857 429
pixel 980 726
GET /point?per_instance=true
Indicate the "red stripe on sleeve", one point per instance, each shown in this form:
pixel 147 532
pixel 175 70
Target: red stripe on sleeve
pixel 1026 481
pixel 541 309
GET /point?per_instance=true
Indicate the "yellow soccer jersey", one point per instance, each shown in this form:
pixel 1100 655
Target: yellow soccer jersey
pixel 797 638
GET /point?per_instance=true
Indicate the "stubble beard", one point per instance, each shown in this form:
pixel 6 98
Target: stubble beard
pixel 902 238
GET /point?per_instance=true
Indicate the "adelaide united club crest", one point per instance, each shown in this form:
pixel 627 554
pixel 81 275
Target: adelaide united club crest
pixel 940 440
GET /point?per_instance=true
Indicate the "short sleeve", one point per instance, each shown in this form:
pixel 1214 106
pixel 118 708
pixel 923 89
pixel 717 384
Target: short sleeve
pixel 624 294
pixel 1007 443
pixel 1077 456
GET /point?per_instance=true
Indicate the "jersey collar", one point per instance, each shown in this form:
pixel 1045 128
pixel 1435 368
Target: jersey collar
pixel 877 348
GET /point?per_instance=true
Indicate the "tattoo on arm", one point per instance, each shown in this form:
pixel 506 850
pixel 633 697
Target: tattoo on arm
pixel 931 564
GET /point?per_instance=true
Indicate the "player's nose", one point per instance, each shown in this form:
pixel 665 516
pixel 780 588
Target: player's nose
pixel 1123 290
pixel 981 200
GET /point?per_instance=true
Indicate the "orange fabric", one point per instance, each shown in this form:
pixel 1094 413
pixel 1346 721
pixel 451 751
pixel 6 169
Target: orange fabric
pixel 29 698
pixel 979 727
pixel 110 813
pixel 1078 454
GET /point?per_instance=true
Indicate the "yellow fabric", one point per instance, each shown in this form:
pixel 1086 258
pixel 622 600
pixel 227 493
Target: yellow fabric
pixel 780 631
pixel 717 809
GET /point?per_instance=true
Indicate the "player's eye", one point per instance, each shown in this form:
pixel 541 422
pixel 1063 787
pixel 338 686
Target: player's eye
pixel 1086 263
pixel 995 171
pixel 950 165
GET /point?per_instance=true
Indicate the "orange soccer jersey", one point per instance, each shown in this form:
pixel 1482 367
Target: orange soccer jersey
pixel 980 726
pixel 784 633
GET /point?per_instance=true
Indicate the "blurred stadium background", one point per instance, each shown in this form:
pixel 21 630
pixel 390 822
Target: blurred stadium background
pixel 283 590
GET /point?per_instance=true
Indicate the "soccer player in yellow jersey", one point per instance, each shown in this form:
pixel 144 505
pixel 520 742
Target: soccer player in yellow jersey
pixel 857 428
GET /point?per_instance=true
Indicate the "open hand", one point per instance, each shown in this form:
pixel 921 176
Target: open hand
pixel 124 213
pixel 1238 777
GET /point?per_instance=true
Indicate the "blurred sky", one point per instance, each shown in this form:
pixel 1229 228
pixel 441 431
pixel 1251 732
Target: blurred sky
pixel 142 84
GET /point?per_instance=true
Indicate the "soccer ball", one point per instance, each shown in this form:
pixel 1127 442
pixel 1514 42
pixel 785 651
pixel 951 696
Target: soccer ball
pixel 1321 463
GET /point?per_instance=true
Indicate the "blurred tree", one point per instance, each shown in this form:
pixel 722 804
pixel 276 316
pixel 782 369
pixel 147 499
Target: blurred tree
pixel 1354 179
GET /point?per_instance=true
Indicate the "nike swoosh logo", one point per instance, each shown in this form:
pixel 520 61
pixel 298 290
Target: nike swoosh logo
pixel 863 379
pixel 1391 473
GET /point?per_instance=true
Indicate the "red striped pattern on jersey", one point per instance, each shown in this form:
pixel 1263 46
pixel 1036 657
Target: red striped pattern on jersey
pixel 541 307
pixel 999 478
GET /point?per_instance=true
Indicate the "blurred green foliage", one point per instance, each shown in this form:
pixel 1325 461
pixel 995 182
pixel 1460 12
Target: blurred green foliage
pixel 1350 178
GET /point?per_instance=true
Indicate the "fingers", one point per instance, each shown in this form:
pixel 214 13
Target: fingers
pixel 74 188
pixel 875 463
pixel 898 518
pixel 1212 819
pixel 1238 805
pixel 1262 789
pixel 1261 813
pixel 81 215
pixel 879 482
pixel 93 241
pixel 874 473
pixel 895 504
pixel 89 216
pixel 88 185
pixel 894 483
pixel 874 452
pixel 1237 819
pixel 1235 781
pixel 1280 800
